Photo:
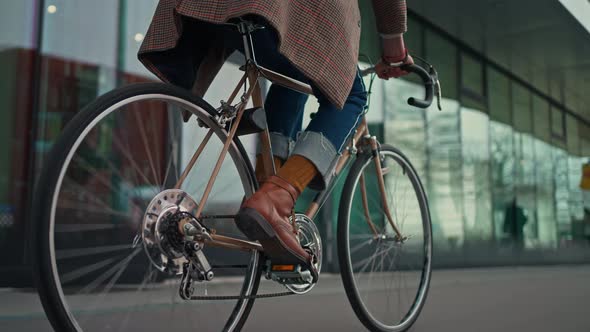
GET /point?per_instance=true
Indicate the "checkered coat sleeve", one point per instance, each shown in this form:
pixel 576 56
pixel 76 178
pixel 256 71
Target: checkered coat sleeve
pixel 320 37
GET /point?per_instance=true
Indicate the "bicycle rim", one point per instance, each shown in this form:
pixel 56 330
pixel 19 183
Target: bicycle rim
pixel 113 159
pixel 386 280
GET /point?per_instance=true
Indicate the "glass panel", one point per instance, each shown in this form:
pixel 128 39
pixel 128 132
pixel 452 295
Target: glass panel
pixel 584 136
pixel 472 74
pixel 78 63
pixel 541 121
pixel 84 31
pixel 445 173
pixel 16 24
pixel 17 31
pixel 405 128
pixel 524 224
pixel 476 177
pixel 585 146
pixel 137 16
pixel 442 54
pixel 499 97
pixel 413 37
pixel 370 45
pixel 547 231
pixel 576 200
pixel 572 136
pixel 562 186
pixel 503 182
pixel 557 122
pixel 521 109
pixel 404 124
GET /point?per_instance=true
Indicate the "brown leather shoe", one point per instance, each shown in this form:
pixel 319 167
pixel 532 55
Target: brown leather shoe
pixel 264 217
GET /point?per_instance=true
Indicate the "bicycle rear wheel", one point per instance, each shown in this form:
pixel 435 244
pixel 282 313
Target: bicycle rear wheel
pixel 386 280
pixel 124 152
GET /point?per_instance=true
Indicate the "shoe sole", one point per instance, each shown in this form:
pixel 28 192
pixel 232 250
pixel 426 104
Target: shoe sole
pixel 256 228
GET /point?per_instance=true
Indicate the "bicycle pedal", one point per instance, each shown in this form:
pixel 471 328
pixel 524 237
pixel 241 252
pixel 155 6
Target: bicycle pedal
pixel 289 274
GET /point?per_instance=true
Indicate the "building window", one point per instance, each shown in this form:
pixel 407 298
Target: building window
pixel 472 78
pixel 541 118
pixel 557 123
pixel 521 109
pixel 499 101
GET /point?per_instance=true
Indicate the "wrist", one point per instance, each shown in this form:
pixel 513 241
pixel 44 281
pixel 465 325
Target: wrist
pixel 394 49
pixel 396 61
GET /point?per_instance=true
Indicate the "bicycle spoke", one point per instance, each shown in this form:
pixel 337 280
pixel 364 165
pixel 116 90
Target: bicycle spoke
pixel 74 228
pixel 96 175
pixel 114 271
pixel 127 154
pixel 146 146
pixel 79 273
pixel 157 146
pixel 69 205
pixel 81 252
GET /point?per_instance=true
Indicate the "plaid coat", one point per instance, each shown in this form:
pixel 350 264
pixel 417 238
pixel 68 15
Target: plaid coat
pixel 320 37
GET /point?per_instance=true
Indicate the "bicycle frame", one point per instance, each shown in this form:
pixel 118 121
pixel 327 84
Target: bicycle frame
pixel 252 74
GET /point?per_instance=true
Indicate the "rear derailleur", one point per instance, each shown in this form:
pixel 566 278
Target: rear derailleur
pixel 197 268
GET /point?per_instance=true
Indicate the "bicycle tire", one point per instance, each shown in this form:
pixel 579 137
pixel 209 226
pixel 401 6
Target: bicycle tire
pixel 45 274
pixel 360 308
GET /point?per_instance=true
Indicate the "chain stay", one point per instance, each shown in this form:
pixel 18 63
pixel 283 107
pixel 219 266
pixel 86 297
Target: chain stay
pixel 240 297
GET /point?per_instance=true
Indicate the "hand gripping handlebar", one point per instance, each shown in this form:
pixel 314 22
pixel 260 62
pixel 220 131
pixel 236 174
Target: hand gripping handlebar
pixel 429 79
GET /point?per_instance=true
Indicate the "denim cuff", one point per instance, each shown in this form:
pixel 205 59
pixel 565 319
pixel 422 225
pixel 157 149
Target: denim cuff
pixel 321 152
pixel 281 146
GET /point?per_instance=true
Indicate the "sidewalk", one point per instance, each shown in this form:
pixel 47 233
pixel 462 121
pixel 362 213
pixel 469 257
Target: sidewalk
pixel 500 299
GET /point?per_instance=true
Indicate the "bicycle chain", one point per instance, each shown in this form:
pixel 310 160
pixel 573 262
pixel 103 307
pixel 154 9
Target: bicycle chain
pixel 239 297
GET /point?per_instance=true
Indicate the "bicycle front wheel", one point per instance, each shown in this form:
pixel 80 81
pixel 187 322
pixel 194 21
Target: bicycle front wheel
pixel 386 279
pixel 113 171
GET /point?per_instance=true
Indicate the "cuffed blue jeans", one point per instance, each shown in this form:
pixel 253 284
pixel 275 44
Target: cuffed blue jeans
pixel 326 135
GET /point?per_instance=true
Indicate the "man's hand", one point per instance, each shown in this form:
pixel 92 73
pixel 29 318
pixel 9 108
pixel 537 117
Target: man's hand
pixel 385 71
pixel 394 52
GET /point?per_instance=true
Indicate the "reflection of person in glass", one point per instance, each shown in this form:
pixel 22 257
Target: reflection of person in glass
pixel 514 220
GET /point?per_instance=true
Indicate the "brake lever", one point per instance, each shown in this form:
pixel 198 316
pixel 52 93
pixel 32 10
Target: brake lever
pixel 437 87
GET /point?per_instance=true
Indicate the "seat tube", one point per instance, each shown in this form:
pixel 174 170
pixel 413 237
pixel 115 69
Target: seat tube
pixel 246 31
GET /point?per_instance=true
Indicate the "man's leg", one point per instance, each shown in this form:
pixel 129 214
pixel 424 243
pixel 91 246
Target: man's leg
pixel 284 107
pixel 284 113
pixel 326 136
pixel 265 216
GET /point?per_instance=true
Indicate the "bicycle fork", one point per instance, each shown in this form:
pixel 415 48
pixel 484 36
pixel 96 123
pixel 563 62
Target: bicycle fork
pixel 380 172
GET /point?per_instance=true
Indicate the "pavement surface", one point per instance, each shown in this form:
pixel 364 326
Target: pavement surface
pixel 493 299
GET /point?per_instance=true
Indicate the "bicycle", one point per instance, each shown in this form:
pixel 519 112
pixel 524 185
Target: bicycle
pixel 127 222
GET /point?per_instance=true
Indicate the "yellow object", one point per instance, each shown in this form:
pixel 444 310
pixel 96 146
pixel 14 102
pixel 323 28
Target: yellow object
pixel 298 171
pixel 585 183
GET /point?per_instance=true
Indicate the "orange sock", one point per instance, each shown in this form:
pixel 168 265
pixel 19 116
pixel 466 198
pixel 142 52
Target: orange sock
pixel 260 172
pixel 298 171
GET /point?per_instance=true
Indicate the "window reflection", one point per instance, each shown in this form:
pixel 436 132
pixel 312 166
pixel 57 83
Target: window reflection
pixel 547 231
pixel 445 172
pixel 476 177
pixel 16 81
pixel 502 171
pixel 525 190
pixel 561 194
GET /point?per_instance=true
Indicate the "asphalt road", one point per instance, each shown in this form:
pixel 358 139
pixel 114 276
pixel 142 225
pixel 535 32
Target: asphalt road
pixel 499 299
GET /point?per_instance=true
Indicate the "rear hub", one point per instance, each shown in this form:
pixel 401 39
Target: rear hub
pixel 162 240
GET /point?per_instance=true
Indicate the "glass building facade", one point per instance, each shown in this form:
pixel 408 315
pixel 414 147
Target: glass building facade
pixel 502 162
